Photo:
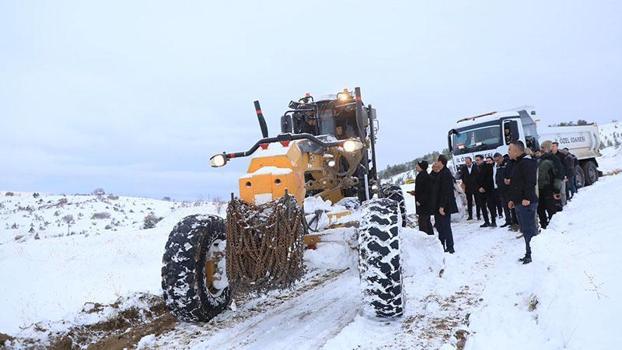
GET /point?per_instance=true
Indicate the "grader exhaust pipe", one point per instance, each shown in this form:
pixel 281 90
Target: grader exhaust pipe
pixel 261 119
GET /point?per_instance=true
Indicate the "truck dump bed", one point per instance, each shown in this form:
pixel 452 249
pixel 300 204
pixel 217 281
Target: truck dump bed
pixel 581 140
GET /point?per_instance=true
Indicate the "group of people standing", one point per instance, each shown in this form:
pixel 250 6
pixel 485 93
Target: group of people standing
pixel 519 187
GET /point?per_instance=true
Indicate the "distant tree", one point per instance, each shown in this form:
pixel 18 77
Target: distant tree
pixel 99 191
pixel 582 122
pixel 68 220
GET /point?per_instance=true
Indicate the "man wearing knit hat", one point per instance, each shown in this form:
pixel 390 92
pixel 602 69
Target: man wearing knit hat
pixel 422 193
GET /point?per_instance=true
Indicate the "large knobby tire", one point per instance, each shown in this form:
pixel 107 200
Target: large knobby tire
pixel 379 259
pixel 194 250
pixel 591 172
pixel 395 193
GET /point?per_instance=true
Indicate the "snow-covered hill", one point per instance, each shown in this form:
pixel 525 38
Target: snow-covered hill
pixel 610 134
pixel 26 216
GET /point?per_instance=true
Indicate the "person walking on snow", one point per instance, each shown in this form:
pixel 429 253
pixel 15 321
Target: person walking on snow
pixel 423 193
pixel 444 203
pixel 523 194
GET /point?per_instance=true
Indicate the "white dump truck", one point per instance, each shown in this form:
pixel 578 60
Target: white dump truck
pixel 489 133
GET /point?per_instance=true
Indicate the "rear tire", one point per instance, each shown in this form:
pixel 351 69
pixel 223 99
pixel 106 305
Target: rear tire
pixel 591 172
pixel 579 176
pixel 379 259
pixel 188 292
pixel 394 192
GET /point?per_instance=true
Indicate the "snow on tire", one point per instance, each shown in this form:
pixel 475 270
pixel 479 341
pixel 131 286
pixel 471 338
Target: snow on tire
pixel 395 193
pixel 379 259
pixel 194 278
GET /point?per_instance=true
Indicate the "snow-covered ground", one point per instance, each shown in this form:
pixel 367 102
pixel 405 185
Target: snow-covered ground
pixel 610 134
pixel 567 298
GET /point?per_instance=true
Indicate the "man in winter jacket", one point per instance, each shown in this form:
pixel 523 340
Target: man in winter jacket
pixel 549 184
pixel 523 194
pixel 562 170
pixel 444 203
pixel 570 162
pixel 468 175
pixel 509 166
pixel 423 197
pixel 485 187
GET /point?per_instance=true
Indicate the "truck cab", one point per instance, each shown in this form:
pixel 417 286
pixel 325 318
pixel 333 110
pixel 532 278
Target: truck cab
pixel 489 133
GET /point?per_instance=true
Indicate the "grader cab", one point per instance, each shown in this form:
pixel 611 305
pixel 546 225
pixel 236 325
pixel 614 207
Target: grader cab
pixel 326 148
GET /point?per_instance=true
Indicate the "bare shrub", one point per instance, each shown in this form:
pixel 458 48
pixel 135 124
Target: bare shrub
pixel 101 215
pixel 151 220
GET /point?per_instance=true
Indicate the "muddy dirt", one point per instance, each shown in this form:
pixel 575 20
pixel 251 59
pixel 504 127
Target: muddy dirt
pixel 123 330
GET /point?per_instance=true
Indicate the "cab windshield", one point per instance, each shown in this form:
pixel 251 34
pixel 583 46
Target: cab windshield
pixel 476 139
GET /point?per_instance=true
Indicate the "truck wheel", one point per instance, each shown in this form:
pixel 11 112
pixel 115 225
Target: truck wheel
pixel 379 259
pixel 395 193
pixel 194 277
pixel 580 176
pixel 591 173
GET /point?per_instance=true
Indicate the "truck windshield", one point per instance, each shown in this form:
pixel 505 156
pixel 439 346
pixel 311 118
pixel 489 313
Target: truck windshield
pixel 476 139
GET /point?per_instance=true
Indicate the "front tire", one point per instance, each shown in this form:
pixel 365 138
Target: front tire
pixel 379 259
pixel 194 278
pixel 394 192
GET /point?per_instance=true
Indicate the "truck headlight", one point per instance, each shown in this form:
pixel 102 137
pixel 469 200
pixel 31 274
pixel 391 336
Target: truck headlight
pixel 352 146
pixel 218 160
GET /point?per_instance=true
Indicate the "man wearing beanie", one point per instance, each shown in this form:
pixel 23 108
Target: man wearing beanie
pixel 422 193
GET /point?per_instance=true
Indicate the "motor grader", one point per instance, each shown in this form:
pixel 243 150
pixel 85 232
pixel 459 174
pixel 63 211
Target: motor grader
pixel 326 149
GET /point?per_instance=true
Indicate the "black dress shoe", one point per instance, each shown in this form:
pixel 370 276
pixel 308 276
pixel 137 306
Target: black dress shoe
pixel 485 225
pixel 506 224
pixel 526 260
pixel 494 224
pixel 451 250
pixel 469 219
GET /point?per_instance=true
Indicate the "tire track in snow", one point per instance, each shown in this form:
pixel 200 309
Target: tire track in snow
pixel 308 317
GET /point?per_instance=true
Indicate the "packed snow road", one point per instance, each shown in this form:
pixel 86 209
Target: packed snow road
pixel 481 297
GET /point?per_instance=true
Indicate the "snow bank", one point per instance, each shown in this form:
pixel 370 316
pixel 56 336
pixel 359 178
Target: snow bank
pixel 568 297
pixel 51 279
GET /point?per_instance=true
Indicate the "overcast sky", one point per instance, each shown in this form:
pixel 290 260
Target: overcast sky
pixel 135 96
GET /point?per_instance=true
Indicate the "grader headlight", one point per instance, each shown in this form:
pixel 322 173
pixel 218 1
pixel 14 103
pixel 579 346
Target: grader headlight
pixel 352 146
pixel 218 160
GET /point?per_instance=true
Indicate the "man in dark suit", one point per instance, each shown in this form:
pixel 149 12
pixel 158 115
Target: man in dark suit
pixel 501 189
pixel 444 203
pixel 485 184
pixel 468 175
